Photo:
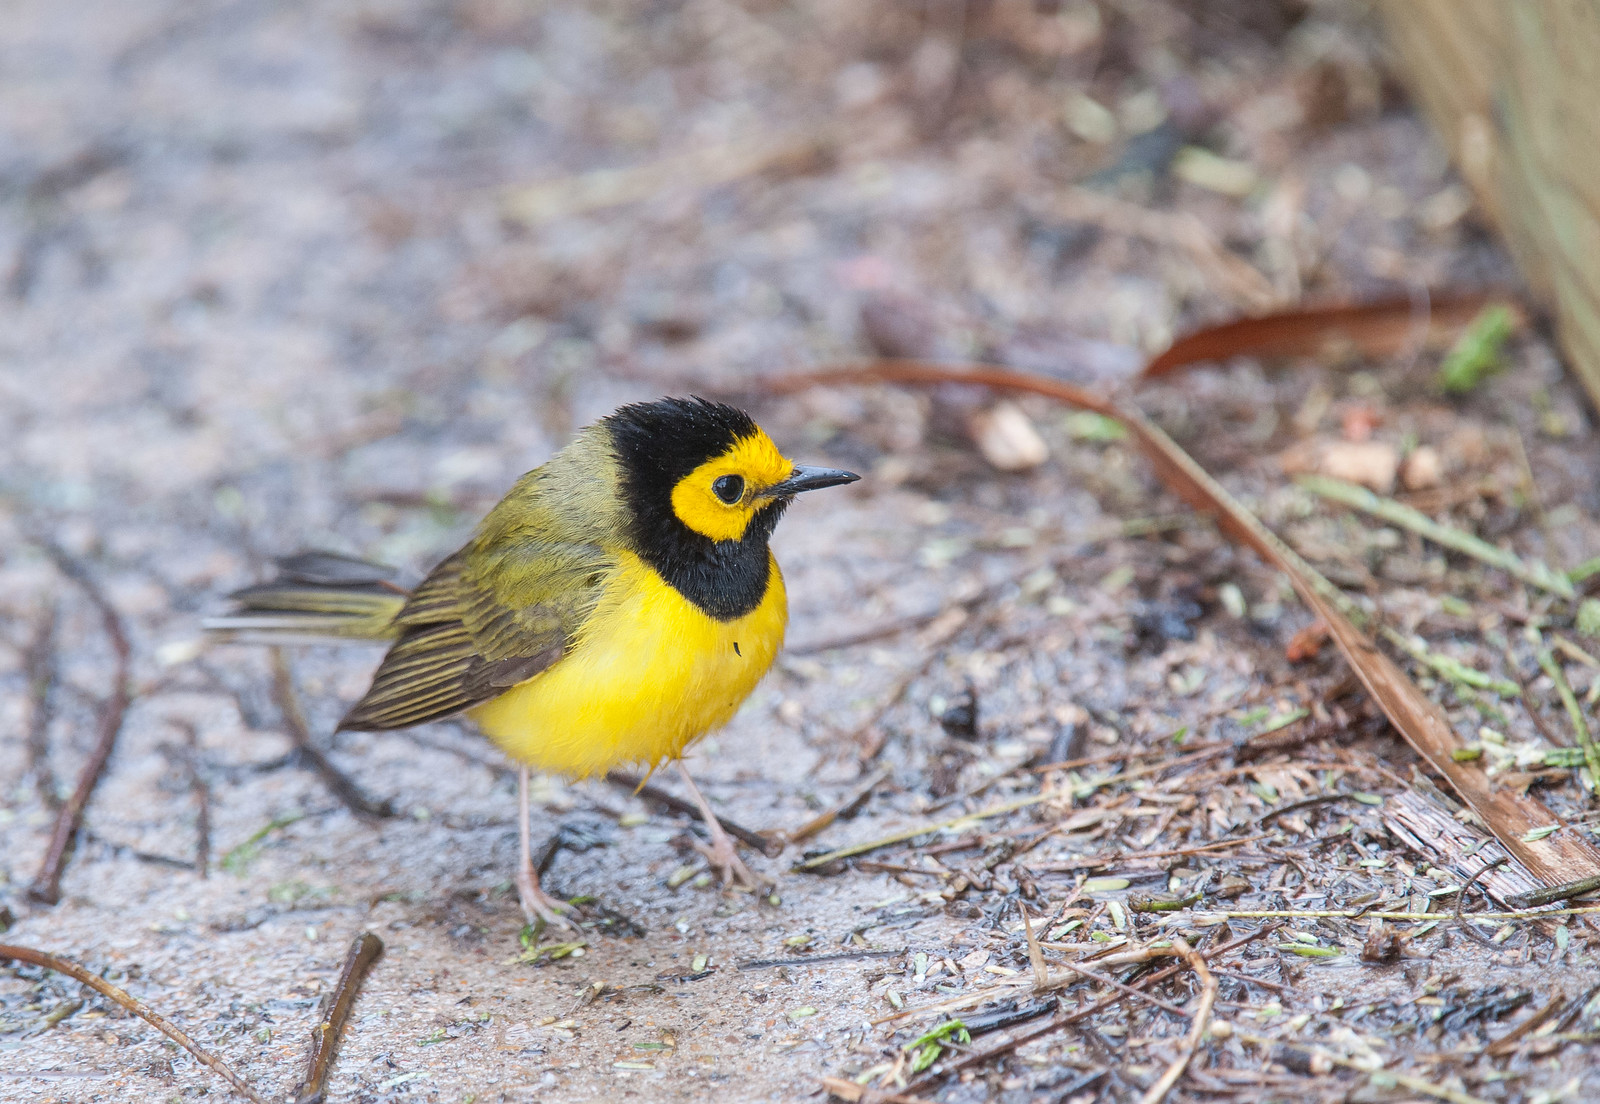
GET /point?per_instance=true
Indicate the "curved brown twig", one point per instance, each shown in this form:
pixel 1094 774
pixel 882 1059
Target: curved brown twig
pixel 1461 898
pixel 931 372
pixel 294 719
pixel 643 788
pixel 46 885
pixel 126 1000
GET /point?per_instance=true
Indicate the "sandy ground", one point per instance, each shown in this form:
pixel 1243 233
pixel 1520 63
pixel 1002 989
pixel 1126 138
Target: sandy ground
pixel 274 281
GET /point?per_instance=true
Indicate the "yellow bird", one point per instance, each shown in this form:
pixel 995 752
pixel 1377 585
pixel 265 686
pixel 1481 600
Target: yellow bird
pixel 618 604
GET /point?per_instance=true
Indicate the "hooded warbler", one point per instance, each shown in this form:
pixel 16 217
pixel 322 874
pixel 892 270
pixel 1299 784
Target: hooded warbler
pixel 619 603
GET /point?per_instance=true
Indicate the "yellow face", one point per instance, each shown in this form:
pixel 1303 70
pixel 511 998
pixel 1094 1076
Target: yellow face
pixel 719 498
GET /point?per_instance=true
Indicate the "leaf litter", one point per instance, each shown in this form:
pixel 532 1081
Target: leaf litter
pixel 1513 818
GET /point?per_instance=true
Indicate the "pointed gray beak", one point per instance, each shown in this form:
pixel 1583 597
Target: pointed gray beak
pixel 809 479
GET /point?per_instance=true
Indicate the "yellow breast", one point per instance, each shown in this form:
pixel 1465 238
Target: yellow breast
pixel 648 675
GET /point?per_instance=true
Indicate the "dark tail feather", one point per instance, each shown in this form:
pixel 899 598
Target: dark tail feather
pixel 331 569
pixel 317 596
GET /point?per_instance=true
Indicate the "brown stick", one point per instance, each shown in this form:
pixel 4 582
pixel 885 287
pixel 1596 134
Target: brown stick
pixel 39 663
pixel 1508 1042
pixel 1197 1030
pixel 1109 983
pixel 294 719
pixel 655 794
pixel 202 800
pixel 46 887
pixel 1123 753
pixel 364 951
pixel 1531 708
pixel 132 1004
pixel 824 820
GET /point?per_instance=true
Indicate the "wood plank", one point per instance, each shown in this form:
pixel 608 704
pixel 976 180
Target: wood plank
pixel 1511 89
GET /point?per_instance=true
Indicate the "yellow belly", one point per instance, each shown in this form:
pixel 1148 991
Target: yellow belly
pixel 649 674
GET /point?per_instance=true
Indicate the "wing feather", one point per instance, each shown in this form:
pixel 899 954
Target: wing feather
pixel 483 621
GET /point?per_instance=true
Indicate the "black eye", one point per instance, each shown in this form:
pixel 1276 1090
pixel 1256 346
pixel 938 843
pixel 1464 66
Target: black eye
pixel 729 488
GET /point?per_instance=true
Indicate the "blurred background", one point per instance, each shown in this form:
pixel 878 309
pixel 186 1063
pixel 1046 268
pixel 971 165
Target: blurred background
pixel 270 261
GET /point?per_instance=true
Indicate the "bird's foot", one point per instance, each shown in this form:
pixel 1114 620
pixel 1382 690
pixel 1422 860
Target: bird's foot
pixel 541 909
pixel 724 859
pixel 720 852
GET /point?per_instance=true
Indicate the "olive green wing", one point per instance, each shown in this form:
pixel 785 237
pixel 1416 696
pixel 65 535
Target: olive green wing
pixel 482 622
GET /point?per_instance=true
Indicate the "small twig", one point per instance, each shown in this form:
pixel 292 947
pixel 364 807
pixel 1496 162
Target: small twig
pixel 1580 726
pixel 655 794
pixel 132 1004
pixel 1077 791
pixel 202 801
pixel 1251 979
pixel 1552 894
pixel 63 1011
pixel 546 852
pixel 857 737
pixel 1530 487
pixel 924 829
pixel 1160 751
pixel 844 808
pixel 1575 1008
pixel 294 720
pixel 1461 894
pixel 1057 980
pixel 1083 789
pixel 1197 1030
pixel 1530 706
pixel 1562 644
pixel 39 664
pixel 325 1036
pixel 1532 572
pixel 816 960
pixel 1220 266
pixel 687 171
pixel 967 603
pixel 868 635
pixel 1375 914
pixel 1508 1042
pixel 1041 972
pixel 1448 667
pixel 1089 861
pixel 1298 806
pixel 46 886
pixel 1421 325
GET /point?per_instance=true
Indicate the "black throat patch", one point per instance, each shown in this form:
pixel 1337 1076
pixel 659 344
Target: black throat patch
pixel 656 445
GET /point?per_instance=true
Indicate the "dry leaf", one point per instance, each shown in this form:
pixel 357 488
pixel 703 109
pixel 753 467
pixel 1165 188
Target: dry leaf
pixel 1373 329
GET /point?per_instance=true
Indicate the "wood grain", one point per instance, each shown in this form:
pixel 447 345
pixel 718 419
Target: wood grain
pixel 1510 89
